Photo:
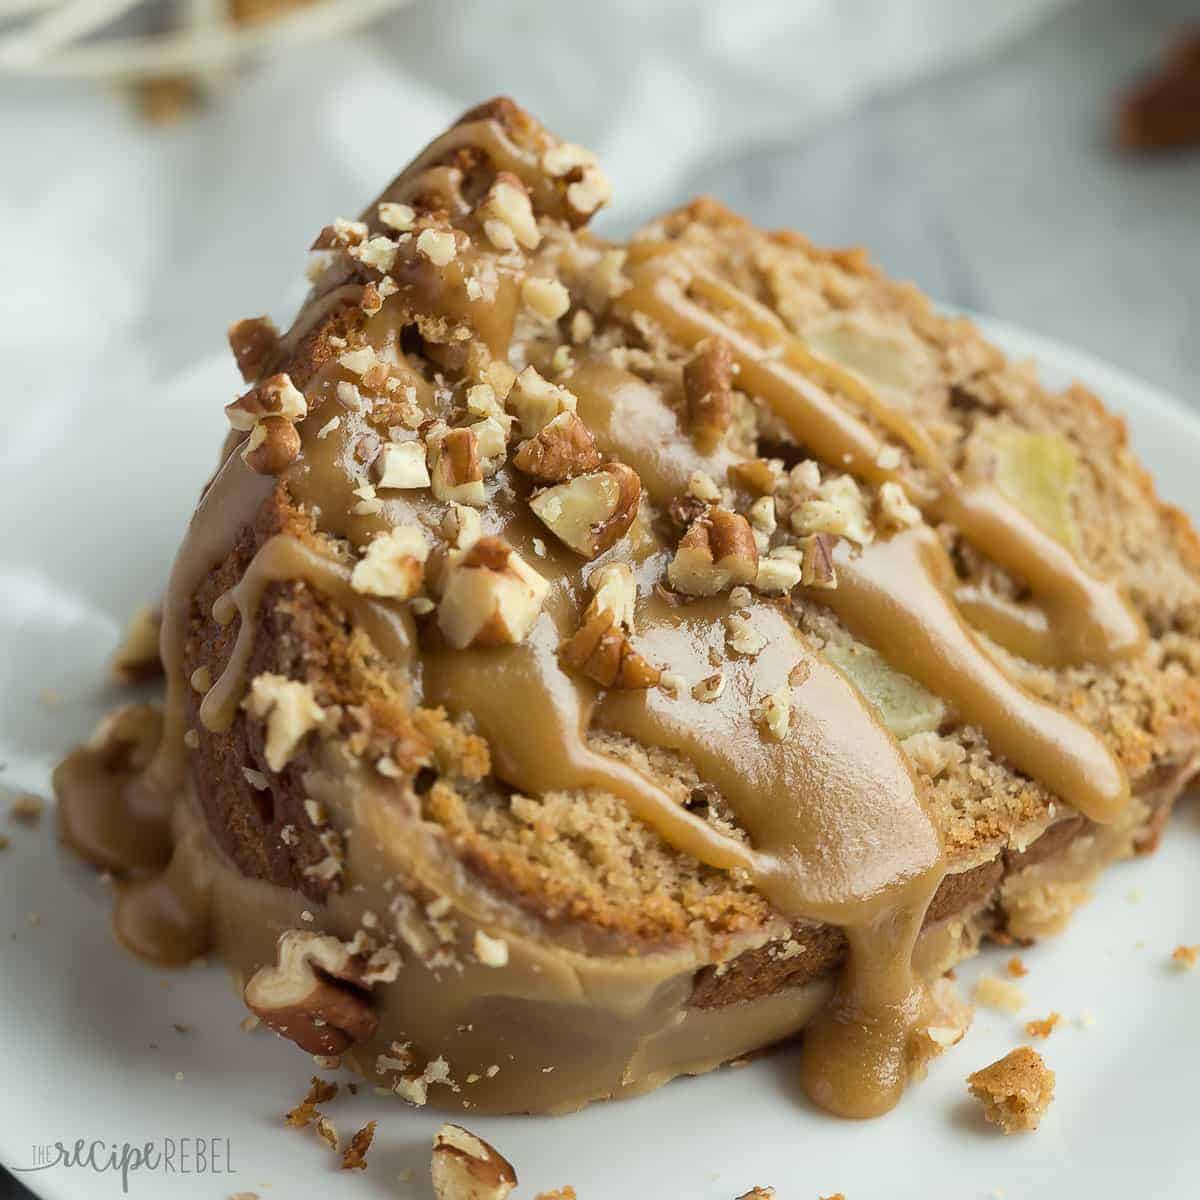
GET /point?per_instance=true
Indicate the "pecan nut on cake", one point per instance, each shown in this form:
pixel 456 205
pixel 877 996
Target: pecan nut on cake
pixel 594 662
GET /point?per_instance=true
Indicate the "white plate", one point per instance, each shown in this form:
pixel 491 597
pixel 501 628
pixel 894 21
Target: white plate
pixel 93 497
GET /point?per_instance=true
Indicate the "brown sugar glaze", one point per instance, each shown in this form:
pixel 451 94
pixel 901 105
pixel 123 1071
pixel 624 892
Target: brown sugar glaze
pixel 836 828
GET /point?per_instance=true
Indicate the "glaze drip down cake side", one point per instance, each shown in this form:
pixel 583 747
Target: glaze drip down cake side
pixel 595 662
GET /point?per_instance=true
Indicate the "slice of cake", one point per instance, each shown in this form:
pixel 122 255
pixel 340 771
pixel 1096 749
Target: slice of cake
pixel 592 663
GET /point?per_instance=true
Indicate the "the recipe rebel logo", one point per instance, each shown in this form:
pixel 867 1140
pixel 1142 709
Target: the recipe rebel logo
pixel 125 1160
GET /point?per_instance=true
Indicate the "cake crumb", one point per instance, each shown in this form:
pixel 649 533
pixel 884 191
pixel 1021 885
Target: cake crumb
pixel 1016 968
pixel 137 658
pixel 758 1193
pixel 993 992
pixel 306 1111
pixel 1185 957
pixel 355 1156
pixel 1043 1028
pixel 27 809
pixel 1015 1090
pixel 562 1193
pixel 327 1131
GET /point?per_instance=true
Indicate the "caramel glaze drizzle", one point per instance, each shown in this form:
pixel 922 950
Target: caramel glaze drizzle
pixel 1087 619
pixel 118 817
pixel 285 558
pixel 896 596
pixel 835 820
pixel 1080 618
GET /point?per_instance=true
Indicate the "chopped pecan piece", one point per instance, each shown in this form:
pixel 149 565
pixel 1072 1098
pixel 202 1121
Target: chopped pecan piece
pixel 590 512
pixel 816 565
pixel 393 564
pixel 601 650
pixel 756 475
pixel 255 344
pixel 313 994
pixel 457 474
pixel 707 388
pixel 562 449
pixel 507 215
pixel 717 552
pixel 536 401
pixel 273 445
pixel 490 596
pixel 275 396
pixel 340 235
pixel 465 1167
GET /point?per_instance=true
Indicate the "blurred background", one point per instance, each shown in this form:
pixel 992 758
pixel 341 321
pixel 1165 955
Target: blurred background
pixel 163 165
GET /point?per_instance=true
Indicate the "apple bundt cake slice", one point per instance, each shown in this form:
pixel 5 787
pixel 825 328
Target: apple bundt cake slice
pixel 593 662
